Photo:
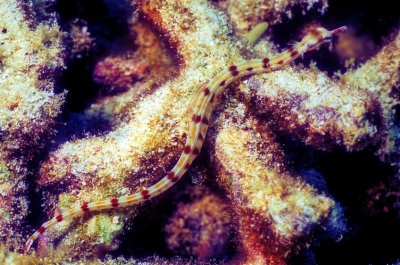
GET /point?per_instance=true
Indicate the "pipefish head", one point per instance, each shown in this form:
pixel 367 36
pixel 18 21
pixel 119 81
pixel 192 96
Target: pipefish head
pixel 317 37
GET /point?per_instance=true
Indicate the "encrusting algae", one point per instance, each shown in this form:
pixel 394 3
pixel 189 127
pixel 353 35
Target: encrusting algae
pixel 200 227
pixel 275 205
pixel 270 210
pixel 245 15
pixel 31 54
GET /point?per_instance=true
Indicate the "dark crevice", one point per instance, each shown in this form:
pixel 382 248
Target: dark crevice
pixel 368 21
pixel 109 29
pixel 350 178
pixel 146 234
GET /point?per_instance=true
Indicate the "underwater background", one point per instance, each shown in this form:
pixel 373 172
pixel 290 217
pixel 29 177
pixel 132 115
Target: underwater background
pixel 299 165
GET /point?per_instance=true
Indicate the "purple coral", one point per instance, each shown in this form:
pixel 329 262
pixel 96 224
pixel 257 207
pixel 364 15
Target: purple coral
pixel 200 228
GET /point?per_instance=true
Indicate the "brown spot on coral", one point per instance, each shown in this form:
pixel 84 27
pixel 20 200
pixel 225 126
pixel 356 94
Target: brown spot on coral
pixel 44 72
pixel 116 73
pixel 13 106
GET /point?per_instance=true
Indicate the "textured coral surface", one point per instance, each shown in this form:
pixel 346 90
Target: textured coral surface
pixel 299 165
pixel 31 53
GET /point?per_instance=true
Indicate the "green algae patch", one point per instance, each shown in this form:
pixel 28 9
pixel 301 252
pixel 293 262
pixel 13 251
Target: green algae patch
pixel 5 174
pixel 5 215
pixel 65 201
pixel 105 227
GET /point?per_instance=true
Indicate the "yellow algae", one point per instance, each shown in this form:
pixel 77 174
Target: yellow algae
pixel 65 201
